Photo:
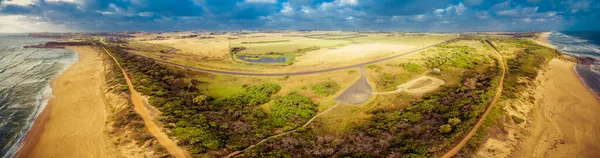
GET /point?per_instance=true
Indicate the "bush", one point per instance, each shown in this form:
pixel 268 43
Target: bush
pixel 326 88
pixel 291 111
pixel 446 128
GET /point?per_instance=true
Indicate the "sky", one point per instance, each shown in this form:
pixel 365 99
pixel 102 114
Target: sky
pixel 364 15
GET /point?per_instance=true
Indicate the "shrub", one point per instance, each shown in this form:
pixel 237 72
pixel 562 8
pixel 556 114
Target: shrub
pixel 291 111
pixel 446 128
pixel 326 88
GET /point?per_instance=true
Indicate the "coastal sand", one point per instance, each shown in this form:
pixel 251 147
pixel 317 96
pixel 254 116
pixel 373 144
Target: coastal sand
pixel 73 123
pixel 565 121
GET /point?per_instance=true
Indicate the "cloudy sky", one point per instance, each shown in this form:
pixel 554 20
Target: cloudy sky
pixel 383 15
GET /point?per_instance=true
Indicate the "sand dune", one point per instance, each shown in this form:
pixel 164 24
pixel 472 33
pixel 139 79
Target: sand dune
pixel 565 122
pixel 73 123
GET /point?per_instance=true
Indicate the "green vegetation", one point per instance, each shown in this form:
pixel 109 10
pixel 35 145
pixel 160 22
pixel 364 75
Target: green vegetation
pixel 524 67
pixel 326 88
pixel 200 122
pixel 433 122
pixel 412 67
pixel 290 57
pixel 125 121
pixel 463 57
pixel 529 58
pixel 292 111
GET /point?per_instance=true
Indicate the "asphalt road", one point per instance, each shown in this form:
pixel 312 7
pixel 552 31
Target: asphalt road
pixel 290 73
pixel 358 93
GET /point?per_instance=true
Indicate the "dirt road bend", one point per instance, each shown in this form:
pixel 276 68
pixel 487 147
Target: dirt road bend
pixel 464 141
pixel 140 108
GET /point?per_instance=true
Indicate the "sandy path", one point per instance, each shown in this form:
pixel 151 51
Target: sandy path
pixel 73 123
pixel 471 133
pixel 142 110
pixel 414 87
pixel 565 123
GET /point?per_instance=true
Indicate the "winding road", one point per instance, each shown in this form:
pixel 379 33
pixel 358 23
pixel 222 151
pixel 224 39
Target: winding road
pixel 464 141
pixel 290 73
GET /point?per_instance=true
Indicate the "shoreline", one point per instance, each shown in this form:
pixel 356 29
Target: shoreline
pixel 73 122
pixel 544 41
pixel 34 132
pixel 40 116
pixel 582 80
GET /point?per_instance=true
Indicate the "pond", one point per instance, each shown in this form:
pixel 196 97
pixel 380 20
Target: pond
pixel 262 59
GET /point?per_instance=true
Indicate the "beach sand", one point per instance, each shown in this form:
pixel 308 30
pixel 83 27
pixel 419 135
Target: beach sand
pixel 564 123
pixel 543 40
pixel 72 125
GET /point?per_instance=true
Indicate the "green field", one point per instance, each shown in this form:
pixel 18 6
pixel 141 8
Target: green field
pixel 286 46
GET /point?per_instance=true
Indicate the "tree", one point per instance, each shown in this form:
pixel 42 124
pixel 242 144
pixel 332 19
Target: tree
pixel 454 121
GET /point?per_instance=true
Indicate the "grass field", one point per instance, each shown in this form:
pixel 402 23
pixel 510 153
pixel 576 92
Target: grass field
pixel 404 40
pixel 286 46
pixel 213 48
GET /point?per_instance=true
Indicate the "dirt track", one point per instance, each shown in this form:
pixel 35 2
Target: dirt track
pixel 145 113
pixel 464 141
pixel 358 93
pixel 409 86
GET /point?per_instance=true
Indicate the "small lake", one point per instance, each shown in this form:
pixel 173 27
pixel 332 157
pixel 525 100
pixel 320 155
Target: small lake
pixel 262 59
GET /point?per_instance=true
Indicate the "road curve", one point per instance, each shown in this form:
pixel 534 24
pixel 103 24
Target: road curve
pixel 290 73
pixel 464 141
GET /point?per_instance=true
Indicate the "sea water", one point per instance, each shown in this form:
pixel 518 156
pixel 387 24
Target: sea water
pixel 583 44
pixel 25 75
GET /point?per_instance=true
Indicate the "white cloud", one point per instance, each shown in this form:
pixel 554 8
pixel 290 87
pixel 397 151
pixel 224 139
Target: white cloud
pixel 22 24
pixel 261 1
pixel 438 11
pixel 348 2
pixel 19 2
pixel 350 18
pixel 306 10
pixel 287 9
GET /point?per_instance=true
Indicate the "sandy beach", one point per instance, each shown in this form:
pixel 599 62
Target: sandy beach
pixel 543 40
pixel 564 122
pixel 72 125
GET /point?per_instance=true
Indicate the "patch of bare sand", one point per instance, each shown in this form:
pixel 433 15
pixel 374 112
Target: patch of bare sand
pixel 565 122
pixel 350 53
pixel 74 121
pixel 417 86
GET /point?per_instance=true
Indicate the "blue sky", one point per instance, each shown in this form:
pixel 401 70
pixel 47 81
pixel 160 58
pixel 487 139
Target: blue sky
pixel 381 15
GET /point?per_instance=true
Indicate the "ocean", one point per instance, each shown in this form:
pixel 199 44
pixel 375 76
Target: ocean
pixel 583 44
pixel 25 75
